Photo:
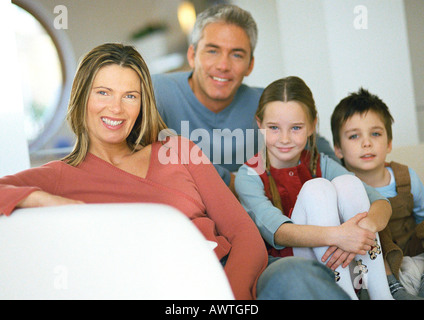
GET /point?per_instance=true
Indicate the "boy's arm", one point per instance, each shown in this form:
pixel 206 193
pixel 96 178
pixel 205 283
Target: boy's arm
pixel 378 216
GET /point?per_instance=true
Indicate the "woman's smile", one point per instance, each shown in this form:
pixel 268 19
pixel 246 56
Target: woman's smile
pixel 113 105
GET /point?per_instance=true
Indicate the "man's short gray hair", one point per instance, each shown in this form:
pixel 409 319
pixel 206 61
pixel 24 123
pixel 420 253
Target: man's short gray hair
pixel 226 13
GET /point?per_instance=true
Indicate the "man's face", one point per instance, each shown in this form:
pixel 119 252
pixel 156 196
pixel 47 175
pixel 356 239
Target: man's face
pixel 221 61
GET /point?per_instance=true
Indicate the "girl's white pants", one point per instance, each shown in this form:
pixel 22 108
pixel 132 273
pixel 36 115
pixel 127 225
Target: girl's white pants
pixel 330 203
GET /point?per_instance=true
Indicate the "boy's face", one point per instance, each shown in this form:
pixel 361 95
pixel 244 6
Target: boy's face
pixel 363 143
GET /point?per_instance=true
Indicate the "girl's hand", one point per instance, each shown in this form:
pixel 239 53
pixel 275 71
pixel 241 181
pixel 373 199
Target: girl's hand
pixel 352 238
pixel 338 257
pixel 349 239
pixel 44 199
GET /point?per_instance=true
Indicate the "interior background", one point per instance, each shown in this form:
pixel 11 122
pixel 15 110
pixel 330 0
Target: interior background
pixel 318 40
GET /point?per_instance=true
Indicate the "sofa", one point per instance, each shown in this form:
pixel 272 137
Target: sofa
pixel 107 251
pixel 413 156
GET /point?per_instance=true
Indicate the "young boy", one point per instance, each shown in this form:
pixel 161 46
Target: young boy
pixel 362 134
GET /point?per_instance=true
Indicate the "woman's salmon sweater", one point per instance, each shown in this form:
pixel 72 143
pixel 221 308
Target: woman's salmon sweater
pixel 179 175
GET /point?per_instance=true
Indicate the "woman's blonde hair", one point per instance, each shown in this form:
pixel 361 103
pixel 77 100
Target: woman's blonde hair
pixel 285 90
pixel 148 124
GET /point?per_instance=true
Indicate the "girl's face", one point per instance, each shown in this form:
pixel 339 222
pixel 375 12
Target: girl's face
pixel 364 143
pixel 113 106
pixel 287 130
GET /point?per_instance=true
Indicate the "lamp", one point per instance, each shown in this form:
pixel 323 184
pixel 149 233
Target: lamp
pixel 186 16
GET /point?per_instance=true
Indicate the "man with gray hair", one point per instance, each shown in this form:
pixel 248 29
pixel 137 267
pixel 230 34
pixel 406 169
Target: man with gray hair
pixel 212 97
pixel 210 103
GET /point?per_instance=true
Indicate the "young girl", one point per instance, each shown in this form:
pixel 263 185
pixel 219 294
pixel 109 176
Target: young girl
pixel 306 204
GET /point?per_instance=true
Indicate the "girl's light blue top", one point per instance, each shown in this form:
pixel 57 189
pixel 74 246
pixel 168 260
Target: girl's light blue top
pixel 268 218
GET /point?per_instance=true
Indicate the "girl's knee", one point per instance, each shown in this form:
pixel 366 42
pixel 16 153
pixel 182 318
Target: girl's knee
pixel 351 195
pixel 316 203
pixel 318 188
pixel 347 180
pixel 347 186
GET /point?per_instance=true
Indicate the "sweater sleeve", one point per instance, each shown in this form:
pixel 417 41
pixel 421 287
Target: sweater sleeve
pixel 225 174
pixel 15 188
pixel 266 216
pixel 248 256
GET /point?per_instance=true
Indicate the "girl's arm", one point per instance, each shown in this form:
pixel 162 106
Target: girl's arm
pixel 279 231
pixel 251 193
pixel 348 236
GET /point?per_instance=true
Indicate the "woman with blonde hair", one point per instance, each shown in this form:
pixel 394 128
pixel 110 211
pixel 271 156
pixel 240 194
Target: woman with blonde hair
pixel 146 128
pixel 117 158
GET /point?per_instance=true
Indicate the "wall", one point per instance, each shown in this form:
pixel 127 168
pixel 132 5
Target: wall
pixel 320 43
pixel 376 58
pixel 13 145
pixel 91 23
pixel 414 11
pixel 268 54
pixel 313 39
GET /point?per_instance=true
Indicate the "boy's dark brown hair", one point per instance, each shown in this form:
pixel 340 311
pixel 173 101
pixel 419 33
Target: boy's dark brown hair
pixel 359 103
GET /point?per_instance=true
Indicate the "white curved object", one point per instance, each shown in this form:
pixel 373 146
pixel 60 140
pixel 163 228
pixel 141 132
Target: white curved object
pixel 107 251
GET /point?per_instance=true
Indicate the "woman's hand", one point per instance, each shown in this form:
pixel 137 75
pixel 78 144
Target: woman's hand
pixel 44 199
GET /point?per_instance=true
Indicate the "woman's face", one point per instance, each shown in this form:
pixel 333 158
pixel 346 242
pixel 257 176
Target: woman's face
pixel 113 106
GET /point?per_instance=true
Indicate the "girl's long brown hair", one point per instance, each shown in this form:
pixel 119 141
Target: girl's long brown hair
pixel 285 90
